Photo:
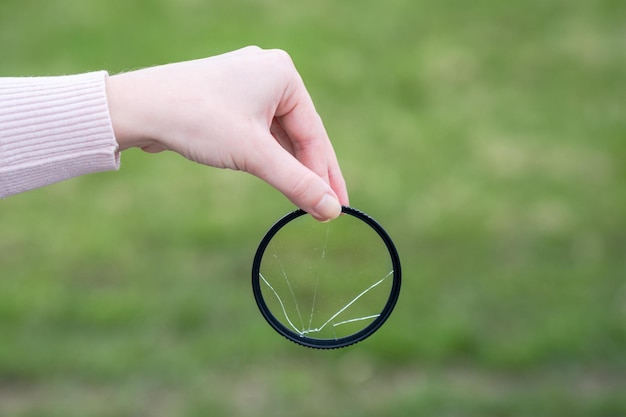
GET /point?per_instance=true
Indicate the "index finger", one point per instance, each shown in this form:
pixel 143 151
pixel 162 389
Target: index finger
pixel 309 139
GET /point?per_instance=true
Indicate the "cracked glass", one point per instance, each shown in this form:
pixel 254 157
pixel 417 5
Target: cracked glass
pixel 326 281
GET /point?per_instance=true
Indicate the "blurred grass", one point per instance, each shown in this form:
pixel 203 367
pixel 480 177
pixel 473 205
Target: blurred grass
pixel 488 138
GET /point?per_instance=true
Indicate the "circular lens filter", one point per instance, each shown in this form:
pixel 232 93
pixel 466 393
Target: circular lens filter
pixel 326 285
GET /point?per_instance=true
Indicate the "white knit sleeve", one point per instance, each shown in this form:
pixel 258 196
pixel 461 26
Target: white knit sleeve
pixel 53 129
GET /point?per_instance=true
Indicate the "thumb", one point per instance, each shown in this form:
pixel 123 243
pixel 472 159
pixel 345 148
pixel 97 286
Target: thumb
pixel 299 184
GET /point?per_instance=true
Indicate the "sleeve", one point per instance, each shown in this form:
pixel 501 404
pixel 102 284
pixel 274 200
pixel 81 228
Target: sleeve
pixel 53 129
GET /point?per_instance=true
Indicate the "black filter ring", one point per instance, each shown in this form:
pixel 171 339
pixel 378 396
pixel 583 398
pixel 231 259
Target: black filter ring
pixel 327 343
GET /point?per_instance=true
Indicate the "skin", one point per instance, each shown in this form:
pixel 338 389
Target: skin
pixel 246 110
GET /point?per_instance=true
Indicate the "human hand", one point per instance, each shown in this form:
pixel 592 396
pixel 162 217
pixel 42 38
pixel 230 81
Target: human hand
pixel 245 110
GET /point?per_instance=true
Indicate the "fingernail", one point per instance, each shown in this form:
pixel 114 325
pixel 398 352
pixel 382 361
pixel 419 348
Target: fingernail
pixel 328 208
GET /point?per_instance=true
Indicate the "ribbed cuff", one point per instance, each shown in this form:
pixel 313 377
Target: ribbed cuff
pixel 53 129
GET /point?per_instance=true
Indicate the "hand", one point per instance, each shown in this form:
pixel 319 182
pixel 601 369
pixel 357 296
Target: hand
pixel 245 110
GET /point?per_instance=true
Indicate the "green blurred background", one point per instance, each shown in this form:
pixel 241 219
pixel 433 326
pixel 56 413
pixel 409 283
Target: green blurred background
pixel 488 138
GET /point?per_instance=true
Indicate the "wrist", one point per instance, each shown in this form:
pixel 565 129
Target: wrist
pixel 124 110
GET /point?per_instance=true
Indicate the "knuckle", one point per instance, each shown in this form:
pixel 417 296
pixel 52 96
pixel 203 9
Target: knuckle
pixel 281 59
pixel 280 54
pixel 253 48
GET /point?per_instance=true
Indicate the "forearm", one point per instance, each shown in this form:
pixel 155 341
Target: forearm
pixel 53 129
